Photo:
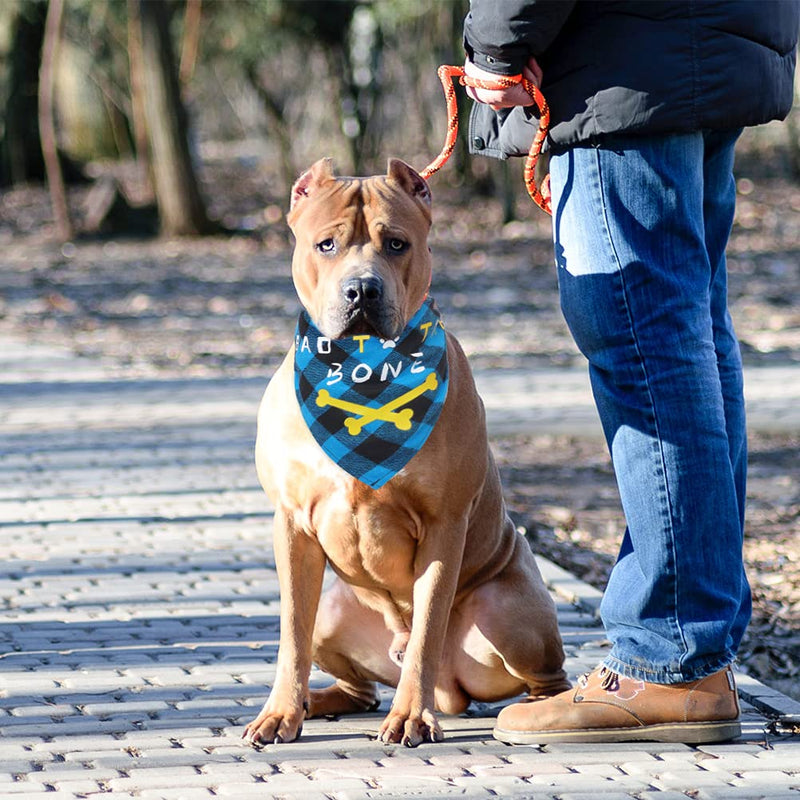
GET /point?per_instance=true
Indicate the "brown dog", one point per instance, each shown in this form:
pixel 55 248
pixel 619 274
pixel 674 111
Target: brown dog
pixel 436 593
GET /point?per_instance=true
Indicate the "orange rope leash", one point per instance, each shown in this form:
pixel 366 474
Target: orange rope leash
pixel 446 74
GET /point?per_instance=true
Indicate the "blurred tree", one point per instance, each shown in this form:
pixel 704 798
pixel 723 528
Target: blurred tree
pixel 92 99
pixel 350 53
pixel 250 40
pixel 422 37
pixel 191 40
pixel 793 127
pixel 138 114
pixel 47 128
pixel 180 205
pixel 22 28
pixel 353 79
pixel 275 30
pixel 357 79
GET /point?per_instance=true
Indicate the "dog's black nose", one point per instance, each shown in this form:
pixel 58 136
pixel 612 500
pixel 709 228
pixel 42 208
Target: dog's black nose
pixel 363 291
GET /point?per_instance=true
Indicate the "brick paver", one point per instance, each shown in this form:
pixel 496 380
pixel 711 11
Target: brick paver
pixel 139 628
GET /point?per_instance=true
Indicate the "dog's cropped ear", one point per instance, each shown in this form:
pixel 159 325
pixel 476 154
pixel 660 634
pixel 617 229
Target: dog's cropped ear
pixel 321 172
pixel 409 179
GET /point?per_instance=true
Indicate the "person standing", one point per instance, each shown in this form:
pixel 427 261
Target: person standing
pixel 647 101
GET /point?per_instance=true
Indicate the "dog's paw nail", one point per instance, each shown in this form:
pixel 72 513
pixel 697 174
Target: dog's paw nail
pixel 253 739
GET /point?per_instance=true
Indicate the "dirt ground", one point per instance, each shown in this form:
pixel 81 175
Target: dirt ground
pixel 225 305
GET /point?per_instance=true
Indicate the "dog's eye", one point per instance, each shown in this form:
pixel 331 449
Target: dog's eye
pixel 326 246
pixel 395 245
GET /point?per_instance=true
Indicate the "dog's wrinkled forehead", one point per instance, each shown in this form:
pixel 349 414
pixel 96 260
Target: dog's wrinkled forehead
pixel 321 198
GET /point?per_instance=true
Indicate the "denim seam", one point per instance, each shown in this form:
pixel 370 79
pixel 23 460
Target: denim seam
pixel 675 617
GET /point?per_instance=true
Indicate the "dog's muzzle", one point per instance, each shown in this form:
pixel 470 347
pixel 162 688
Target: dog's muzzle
pixel 363 293
pixel 364 306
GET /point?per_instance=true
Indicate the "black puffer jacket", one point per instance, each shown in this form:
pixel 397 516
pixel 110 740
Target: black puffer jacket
pixel 648 67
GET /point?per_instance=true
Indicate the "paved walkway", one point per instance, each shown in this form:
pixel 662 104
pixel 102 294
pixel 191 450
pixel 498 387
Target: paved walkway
pixel 139 627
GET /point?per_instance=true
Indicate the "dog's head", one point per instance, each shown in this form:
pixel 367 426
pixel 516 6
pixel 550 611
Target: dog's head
pixel 361 262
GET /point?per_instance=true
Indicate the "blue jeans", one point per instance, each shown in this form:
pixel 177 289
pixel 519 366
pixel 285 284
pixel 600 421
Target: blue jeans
pixel 640 228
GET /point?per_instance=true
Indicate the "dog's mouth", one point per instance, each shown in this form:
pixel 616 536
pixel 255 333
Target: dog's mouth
pixel 360 322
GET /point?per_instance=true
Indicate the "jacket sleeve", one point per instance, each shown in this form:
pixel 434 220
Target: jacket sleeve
pixel 500 35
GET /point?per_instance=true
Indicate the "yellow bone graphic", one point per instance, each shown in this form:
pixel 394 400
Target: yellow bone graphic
pixel 398 417
pixel 385 413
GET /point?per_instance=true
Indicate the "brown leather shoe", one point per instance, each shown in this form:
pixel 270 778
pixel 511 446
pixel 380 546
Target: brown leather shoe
pixel 607 707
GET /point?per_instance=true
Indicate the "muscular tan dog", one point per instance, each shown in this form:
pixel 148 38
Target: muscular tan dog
pixel 436 593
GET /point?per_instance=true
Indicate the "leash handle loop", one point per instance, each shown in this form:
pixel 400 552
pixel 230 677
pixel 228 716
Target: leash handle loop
pixel 446 75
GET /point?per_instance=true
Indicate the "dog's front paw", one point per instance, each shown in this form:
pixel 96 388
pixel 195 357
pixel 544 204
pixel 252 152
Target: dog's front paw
pixel 410 729
pixel 275 725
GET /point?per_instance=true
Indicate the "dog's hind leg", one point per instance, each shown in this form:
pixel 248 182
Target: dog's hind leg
pixel 351 643
pixel 498 649
pixel 343 698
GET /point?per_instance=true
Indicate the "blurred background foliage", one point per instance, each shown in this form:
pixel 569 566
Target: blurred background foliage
pixel 145 94
pixel 276 82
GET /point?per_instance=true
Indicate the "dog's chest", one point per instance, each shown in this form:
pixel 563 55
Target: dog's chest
pixel 370 545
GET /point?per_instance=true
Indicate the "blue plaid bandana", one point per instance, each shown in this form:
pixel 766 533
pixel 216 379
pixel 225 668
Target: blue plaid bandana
pixel 371 403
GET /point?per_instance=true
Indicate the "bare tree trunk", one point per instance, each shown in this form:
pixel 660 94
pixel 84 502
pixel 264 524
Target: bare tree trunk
pixel 21 157
pixel 793 129
pixel 47 129
pixel 181 208
pixel 191 41
pixel 138 116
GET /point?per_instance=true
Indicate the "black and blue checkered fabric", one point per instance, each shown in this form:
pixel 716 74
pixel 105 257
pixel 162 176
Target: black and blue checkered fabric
pixel 385 387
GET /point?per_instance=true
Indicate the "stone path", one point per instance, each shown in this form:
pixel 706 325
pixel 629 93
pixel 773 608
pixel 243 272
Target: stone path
pixel 139 623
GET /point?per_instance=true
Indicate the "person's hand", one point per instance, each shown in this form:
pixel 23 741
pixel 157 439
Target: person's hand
pixel 503 98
